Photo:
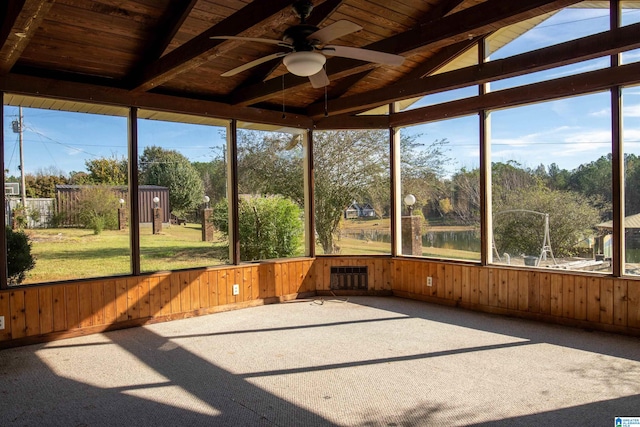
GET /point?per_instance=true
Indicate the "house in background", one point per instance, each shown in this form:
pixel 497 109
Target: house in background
pixel 355 211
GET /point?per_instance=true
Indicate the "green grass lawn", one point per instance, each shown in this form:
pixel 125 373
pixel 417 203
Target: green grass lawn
pixel 71 253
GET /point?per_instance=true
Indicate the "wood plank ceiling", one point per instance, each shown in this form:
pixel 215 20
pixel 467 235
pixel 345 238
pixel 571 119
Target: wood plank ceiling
pixel 129 49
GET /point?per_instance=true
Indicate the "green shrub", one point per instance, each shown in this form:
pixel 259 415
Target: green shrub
pixel 19 257
pixel 270 227
pixel 98 208
pixel 20 216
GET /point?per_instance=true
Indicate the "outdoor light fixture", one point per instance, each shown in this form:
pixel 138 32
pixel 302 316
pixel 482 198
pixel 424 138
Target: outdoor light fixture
pixel 156 201
pixel 304 63
pixel 121 203
pixel 409 200
pixel 206 199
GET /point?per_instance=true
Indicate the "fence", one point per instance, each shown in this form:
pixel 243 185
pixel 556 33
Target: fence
pixel 38 211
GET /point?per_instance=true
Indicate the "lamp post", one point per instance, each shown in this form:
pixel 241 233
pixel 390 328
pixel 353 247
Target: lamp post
pixel 411 229
pixel 207 224
pixel 157 216
pixel 122 216
pixel 410 200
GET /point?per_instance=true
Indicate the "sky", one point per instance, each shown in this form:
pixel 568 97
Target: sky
pixel 568 132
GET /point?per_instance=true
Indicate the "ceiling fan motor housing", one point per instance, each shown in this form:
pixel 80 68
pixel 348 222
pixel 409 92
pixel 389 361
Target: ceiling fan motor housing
pixel 297 37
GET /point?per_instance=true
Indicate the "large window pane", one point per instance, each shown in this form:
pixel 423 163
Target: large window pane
pixel 580 20
pixel 551 184
pixel 568 24
pixel 74 168
pixel 631 138
pixel 271 193
pixel 352 182
pixel 182 175
pixel 630 14
pixel 440 169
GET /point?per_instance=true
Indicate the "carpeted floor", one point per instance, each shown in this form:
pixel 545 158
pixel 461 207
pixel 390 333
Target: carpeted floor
pixel 367 361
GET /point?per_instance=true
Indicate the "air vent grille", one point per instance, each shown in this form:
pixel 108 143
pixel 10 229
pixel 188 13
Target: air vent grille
pixel 349 278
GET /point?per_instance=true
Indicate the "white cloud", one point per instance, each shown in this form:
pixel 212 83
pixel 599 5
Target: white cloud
pixel 632 110
pixel 606 112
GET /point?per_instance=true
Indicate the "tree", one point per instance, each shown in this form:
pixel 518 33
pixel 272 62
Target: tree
pixel 107 170
pixel 270 227
pixel 421 171
pixel 571 220
pixel 593 180
pixel 266 166
pixel 170 169
pixel 466 191
pixel 632 184
pixel 214 178
pixel 43 183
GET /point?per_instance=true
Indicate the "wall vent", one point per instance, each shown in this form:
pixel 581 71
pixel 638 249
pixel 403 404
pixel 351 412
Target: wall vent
pixel 349 278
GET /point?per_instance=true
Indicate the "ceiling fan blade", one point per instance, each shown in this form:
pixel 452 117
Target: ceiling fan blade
pixel 363 55
pixel 252 64
pixel 334 31
pixel 253 39
pixel 320 79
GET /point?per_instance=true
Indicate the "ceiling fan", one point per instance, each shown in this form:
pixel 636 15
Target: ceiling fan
pixel 308 48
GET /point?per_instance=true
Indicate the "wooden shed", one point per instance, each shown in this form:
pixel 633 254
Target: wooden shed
pixel 66 199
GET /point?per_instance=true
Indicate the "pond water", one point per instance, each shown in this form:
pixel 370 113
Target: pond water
pixel 464 240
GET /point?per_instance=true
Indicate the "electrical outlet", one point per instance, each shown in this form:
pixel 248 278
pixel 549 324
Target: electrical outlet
pixel 1 322
pixel 236 289
pixel 429 281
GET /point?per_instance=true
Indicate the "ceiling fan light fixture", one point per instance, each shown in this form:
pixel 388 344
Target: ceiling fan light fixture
pixel 304 63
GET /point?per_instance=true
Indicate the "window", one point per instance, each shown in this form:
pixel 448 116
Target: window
pixel 630 14
pixel 551 184
pixel 568 24
pixel 352 201
pixel 271 193
pixel 631 144
pixel 440 169
pixel 182 176
pixel 75 172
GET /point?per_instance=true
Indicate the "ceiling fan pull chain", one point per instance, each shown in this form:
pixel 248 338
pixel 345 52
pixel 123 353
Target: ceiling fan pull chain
pixel 283 112
pixel 326 108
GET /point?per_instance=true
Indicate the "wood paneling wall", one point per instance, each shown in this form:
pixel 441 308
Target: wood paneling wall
pixel 589 301
pixel 47 312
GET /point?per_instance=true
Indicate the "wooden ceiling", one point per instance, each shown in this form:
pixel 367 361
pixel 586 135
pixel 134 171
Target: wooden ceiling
pixel 158 53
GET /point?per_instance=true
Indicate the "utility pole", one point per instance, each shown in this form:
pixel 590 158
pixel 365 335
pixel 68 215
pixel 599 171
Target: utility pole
pixel 17 128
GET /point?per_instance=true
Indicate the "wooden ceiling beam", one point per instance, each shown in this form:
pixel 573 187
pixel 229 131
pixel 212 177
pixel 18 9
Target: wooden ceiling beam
pixel 580 84
pixel 171 22
pixel 590 47
pixel 441 10
pixel 347 121
pixel 21 20
pixel 474 21
pixel 201 48
pixel 80 92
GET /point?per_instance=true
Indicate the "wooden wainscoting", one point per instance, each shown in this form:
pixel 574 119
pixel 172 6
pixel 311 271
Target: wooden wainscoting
pixel 46 312
pixel 588 301
pixel 379 273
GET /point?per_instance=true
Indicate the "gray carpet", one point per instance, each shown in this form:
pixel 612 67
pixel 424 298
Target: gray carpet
pixel 365 362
